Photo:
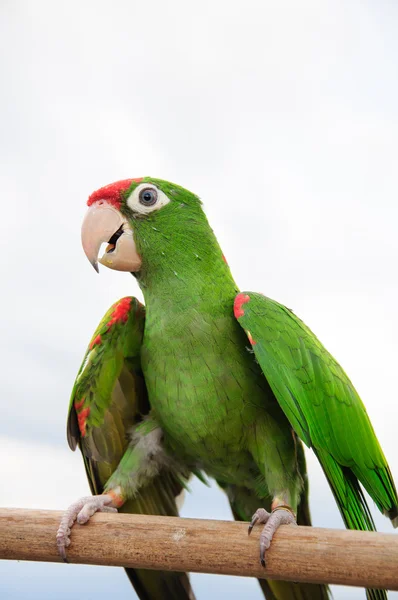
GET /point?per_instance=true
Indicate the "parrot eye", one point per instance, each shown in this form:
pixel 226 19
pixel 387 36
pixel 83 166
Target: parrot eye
pixel 148 196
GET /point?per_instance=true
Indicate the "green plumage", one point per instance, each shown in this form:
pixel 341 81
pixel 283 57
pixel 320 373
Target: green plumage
pixel 112 385
pixel 236 415
pixel 319 400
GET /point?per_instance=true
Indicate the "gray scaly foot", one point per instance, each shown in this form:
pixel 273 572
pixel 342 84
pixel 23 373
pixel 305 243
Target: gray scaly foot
pixel 80 511
pixel 281 515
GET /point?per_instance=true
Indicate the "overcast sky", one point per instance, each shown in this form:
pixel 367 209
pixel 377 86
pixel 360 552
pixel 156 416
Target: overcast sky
pixel 283 117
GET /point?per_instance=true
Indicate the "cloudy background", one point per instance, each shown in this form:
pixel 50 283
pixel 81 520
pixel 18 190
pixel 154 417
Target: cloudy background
pixel 283 117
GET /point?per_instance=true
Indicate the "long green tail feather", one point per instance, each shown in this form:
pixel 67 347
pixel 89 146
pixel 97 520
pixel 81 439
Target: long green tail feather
pixel 158 585
pixel 151 585
pixel 351 503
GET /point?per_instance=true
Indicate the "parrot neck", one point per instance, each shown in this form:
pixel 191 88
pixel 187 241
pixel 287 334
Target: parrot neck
pixel 195 278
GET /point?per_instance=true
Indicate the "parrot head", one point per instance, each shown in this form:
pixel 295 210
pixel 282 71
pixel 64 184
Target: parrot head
pixel 139 219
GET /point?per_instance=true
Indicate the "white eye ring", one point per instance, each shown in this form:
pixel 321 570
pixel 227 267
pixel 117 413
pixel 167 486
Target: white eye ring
pixel 135 200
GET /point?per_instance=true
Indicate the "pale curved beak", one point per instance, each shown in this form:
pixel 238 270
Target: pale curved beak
pixel 104 223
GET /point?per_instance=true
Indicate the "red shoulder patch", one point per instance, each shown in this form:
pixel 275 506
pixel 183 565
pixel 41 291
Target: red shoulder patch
pixel 96 340
pixel 239 301
pixel 120 312
pixel 79 404
pixel 82 420
pixel 82 414
pixel 112 192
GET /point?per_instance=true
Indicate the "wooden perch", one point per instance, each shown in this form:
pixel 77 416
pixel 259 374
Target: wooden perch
pixel 297 553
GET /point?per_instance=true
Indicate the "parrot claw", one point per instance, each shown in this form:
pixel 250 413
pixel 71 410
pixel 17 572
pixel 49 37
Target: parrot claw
pixel 281 515
pixel 260 516
pixel 80 511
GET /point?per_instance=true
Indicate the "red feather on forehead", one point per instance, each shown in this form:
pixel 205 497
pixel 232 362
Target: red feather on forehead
pixel 112 192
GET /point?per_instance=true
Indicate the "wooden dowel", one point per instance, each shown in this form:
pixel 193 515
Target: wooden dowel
pixel 297 553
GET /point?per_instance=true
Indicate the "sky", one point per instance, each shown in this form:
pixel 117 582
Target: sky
pixel 283 118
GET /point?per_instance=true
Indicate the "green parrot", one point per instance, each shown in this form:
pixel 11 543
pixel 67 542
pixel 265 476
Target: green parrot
pixel 208 380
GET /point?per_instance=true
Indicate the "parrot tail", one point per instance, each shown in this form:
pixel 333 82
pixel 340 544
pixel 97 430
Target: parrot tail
pixel 150 584
pixel 351 502
pixel 159 585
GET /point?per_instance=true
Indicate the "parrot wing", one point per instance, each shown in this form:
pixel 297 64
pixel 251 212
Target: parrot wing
pixel 322 406
pixel 108 399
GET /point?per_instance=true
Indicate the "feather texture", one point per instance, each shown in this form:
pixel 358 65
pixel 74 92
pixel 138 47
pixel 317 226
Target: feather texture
pixel 235 415
pixel 111 395
pixel 323 407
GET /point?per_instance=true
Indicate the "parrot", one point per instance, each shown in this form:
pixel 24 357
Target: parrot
pixel 210 381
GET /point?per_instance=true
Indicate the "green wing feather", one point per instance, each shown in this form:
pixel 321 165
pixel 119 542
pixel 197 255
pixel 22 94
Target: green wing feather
pixel 317 396
pixel 109 397
pixel 324 409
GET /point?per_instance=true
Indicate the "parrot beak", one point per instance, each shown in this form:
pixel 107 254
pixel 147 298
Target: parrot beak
pixel 104 223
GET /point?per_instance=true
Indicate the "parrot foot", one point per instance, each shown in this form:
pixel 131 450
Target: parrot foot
pixel 280 515
pixel 80 511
